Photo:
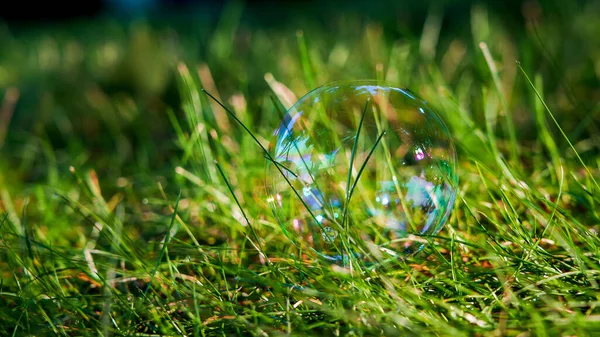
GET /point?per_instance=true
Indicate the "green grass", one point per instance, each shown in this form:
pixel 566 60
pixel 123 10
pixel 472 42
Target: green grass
pixel 134 204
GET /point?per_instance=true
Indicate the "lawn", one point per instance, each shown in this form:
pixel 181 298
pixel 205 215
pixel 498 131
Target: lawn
pixel 132 180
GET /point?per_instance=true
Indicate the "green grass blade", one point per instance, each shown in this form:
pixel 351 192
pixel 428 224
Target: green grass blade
pixel 351 166
pixel 509 124
pixel 590 175
pixel 256 239
pixel 164 245
pixel 305 60
pixel 364 164
pixel 270 158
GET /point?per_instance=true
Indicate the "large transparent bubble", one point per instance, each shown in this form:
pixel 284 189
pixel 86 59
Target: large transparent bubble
pixel 402 184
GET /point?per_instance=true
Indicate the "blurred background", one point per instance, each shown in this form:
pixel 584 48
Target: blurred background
pixel 93 83
pixel 28 12
pixel 103 124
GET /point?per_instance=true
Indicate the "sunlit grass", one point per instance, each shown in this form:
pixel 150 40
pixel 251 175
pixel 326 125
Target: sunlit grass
pixel 135 204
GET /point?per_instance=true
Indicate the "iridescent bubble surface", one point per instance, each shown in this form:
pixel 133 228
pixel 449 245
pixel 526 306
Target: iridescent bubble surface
pixel 359 168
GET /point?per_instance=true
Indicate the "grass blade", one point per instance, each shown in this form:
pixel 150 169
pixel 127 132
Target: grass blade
pixel 585 167
pixel 256 242
pixel 510 126
pixel 270 158
pixel 164 245
pixel 350 169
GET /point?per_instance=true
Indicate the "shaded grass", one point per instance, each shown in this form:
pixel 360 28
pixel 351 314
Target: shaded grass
pixel 100 243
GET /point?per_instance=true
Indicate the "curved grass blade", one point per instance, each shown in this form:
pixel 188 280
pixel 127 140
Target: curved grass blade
pixel 256 244
pixel 271 159
pixel 558 126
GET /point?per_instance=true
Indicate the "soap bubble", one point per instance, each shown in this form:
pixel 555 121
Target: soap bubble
pixel 402 185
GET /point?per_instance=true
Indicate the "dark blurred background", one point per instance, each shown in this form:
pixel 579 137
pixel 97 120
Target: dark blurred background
pixel 24 13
